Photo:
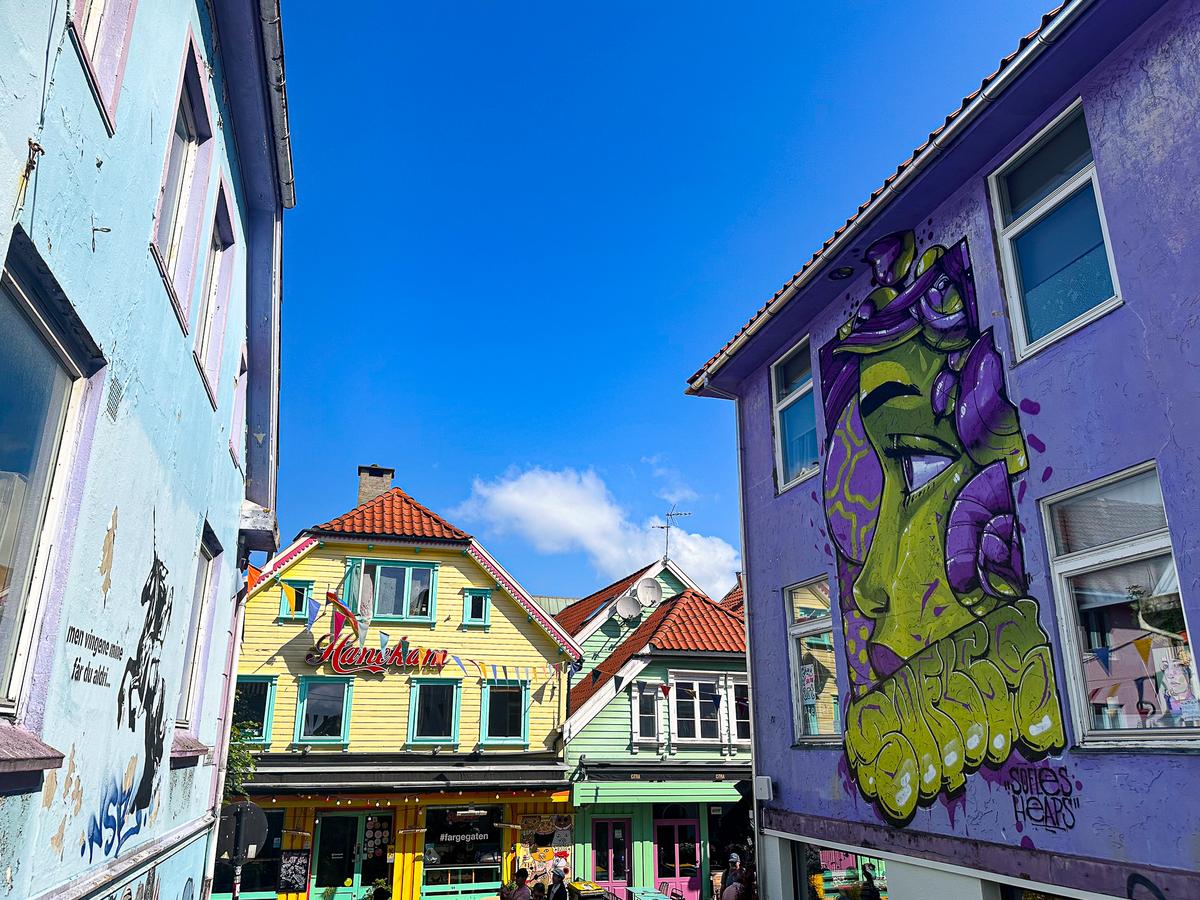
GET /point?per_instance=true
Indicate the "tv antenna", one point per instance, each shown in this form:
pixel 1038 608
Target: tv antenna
pixel 670 517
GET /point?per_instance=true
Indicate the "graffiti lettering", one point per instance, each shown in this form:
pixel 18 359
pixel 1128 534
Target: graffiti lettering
pixel 116 819
pixel 949 668
pixel 1043 797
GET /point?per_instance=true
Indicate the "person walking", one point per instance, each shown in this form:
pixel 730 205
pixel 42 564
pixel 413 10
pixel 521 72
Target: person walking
pixel 519 889
pixel 558 885
pixel 870 891
pixel 735 866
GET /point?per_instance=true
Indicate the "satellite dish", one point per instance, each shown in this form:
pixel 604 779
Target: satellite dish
pixel 648 592
pixel 628 607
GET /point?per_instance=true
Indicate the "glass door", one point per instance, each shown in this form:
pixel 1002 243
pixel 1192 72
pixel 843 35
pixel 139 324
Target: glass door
pixel 677 858
pixel 610 855
pixel 337 847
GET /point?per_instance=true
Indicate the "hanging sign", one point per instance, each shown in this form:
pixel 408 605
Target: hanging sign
pixel 346 657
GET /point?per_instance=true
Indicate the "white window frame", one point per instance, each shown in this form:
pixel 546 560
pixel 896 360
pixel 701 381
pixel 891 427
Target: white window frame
pixel 191 667
pixel 60 479
pixel 723 682
pixel 90 18
pixel 654 691
pixel 1081 562
pixel 732 683
pixel 1007 234
pixel 173 235
pixel 778 406
pixel 803 629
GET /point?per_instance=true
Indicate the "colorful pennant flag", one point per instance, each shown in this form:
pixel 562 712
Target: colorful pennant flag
pixel 666 689
pixel 460 664
pixel 339 619
pixel 383 641
pixel 1103 657
pixel 617 682
pixel 314 610
pixel 1143 648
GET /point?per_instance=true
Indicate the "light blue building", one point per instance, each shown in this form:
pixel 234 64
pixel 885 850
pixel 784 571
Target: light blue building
pixel 144 169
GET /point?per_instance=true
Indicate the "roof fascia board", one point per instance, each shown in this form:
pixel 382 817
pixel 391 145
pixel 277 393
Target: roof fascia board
pixel 597 619
pixel 281 562
pixel 682 576
pixel 547 622
pixel 698 384
pixel 592 706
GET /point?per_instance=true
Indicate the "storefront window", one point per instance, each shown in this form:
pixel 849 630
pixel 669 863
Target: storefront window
pixel 463 847
pixel 260 876
pixel 825 872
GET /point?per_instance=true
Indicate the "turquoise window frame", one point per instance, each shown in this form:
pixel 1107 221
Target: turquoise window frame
pixel 485 709
pixel 269 712
pixel 414 701
pixel 285 614
pixel 302 698
pixel 468 595
pixel 355 577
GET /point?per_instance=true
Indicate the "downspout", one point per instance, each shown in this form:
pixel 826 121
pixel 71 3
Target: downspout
pixel 1007 75
pixel 232 657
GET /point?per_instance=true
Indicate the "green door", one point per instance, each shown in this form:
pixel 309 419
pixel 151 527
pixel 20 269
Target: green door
pixel 339 844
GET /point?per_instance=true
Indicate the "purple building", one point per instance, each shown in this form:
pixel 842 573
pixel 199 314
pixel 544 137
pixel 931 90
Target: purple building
pixel 969 484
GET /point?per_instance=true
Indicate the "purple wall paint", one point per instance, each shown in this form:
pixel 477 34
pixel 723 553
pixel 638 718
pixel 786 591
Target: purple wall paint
pixel 1117 393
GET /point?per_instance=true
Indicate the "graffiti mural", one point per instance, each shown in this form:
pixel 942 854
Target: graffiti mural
pixel 117 817
pixel 949 667
pixel 140 697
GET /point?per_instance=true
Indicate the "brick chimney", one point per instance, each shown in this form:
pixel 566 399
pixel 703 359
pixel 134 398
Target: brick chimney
pixel 373 481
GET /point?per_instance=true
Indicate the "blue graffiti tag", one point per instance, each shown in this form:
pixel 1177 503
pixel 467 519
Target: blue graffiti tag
pixel 117 820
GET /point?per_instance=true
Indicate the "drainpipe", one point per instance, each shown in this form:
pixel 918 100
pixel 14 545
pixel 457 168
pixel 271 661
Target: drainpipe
pixel 1044 38
pixel 232 655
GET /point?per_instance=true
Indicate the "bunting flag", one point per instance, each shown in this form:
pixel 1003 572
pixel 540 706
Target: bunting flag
pixel 1103 657
pixel 383 641
pixel 482 670
pixel 617 682
pixel 505 670
pixel 314 610
pixel 595 675
pixel 1143 648
pixel 289 596
pixel 458 661
pixel 404 650
pixel 333 600
pixel 641 686
pixel 494 675
pixel 339 619
pixel 666 689
pixel 717 700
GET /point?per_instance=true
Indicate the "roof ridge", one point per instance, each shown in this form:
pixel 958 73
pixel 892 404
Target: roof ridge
pixel 346 522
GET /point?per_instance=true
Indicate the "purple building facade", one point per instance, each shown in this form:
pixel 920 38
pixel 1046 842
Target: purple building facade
pixel 969 487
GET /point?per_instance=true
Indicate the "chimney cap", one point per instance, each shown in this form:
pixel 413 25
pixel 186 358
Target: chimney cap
pixel 374 469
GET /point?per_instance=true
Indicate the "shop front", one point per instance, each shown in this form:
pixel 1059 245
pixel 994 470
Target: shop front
pixel 463 852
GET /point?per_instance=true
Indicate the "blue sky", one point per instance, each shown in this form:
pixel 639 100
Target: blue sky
pixel 521 226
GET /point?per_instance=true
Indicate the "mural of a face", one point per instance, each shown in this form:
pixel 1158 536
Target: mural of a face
pixel 948 665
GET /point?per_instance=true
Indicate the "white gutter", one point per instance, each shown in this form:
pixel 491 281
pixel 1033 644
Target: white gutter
pixel 1004 78
pixel 272 44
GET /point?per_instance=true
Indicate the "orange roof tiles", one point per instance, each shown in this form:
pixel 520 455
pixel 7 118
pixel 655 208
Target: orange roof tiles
pixel 735 599
pixel 393 514
pixel 887 182
pixel 690 622
pixel 575 616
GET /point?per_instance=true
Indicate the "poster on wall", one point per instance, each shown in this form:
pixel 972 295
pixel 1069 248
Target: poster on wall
pixel 545 842
pixel 293 871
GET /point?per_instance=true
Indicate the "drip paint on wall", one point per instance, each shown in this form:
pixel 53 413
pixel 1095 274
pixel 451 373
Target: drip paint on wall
pixel 949 667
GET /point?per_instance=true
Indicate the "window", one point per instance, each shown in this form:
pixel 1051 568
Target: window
pixel 293 599
pixel 181 198
pixel 1053 240
pixel 477 606
pixel 259 876
pixel 402 591
pixel 645 701
pixel 214 298
pixel 254 706
pixel 433 711
pixel 795 417
pixel 741 711
pixel 696 710
pixel 1125 636
pixel 206 581
pixel 323 716
pixel 815 709
pixel 504 706
pixel 101 30
pixel 237 422
pixel 38 382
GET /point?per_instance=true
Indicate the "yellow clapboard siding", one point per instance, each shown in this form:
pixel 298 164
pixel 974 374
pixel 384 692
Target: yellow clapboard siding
pixel 380 707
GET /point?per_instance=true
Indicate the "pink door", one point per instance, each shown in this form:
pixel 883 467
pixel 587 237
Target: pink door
pixel 610 855
pixel 677 857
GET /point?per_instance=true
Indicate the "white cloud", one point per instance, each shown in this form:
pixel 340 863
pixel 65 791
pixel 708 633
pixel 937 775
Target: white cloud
pixel 674 488
pixel 567 511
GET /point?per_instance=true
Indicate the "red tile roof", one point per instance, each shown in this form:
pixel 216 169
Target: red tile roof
pixel 735 600
pixel 816 258
pixel 575 616
pixel 393 514
pixel 690 622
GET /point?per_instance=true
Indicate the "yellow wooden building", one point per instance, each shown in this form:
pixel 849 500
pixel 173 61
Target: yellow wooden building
pixel 407 698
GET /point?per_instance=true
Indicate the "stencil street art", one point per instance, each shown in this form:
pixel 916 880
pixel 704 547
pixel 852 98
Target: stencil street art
pixel 949 667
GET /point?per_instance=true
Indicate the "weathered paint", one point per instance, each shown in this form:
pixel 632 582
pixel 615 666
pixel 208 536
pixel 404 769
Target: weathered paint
pixel 1104 399
pixel 151 461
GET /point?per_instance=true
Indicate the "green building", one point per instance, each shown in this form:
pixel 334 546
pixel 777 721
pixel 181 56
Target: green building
pixel 658 733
